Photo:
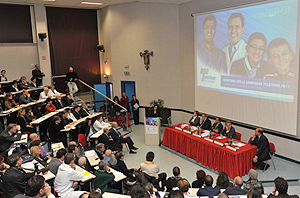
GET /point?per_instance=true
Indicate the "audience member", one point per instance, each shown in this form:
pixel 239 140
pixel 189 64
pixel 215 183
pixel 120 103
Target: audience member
pixel 68 99
pixel 35 152
pixel 57 161
pixel 208 190
pixel 38 75
pixel 36 187
pixel 29 114
pixel 45 94
pixel 15 177
pixel 263 149
pixel 25 97
pixel 67 178
pixel 175 194
pixel 237 187
pixel 95 194
pixel 223 181
pixel 109 141
pixel 3 78
pixel 151 192
pixel 49 107
pixel 110 158
pixel 205 123
pixel 87 128
pixel 281 189
pixel 254 192
pixel 173 180
pixel 37 111
pixel 35 141
pixel 99 149
pixel 33 82
pixel 71 115
pixel 137 191
pixel 14 86
pixel 217 127
pixel 121 138
pixel 184 186
pixel 195 120
pixel 23 83
pixel 3 165
pixel 65 120
pixel 71 79
pixel 253 182
pixel 11 134
pixel 151 171
pixel 229 131
pixel 100 124
pixel 222 195
pixel 83 111
pixel 77 113
pixel 59 103
pixel 104 177
pixel 121 166
pixel 72 148
pixel 54 131
pixel 53 92
pixel 200 174
pixel 9 102
pixel 24 122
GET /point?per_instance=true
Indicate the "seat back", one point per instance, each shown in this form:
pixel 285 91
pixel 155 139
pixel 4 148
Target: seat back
pixel 239 135
pixel 272 148
pixel 250 139
pixel 82 139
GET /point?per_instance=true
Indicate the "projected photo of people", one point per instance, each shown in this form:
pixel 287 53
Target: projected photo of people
pixel 236 49
pixel 280 55
pixel 253 65
pixel 209 54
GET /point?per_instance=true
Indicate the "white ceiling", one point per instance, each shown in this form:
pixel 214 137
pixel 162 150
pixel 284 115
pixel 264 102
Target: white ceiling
pixel 77 3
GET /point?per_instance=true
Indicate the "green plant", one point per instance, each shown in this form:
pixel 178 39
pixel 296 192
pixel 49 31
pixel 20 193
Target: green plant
pixel 158 102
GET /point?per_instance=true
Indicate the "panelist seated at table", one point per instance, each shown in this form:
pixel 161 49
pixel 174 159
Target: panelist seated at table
pixel 217 127
pixel 67 178
pixel 205 123
pixel 229 131
pixel 25 97
pixel 100 124
pixel 195 120
pixel 9 102
pixel 263 148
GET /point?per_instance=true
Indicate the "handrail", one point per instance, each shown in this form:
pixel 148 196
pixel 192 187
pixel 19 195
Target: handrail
pixel 107 99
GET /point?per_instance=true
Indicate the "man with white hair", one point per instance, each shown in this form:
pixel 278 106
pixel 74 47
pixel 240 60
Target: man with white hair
pixel 53 91
pixel 45 94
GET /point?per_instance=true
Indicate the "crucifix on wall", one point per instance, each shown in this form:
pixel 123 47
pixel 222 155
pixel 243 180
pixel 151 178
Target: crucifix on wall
pixel 146 54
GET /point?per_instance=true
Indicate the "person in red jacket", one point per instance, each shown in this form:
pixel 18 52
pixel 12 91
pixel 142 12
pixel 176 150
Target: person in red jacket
pixel 125 101
pixel 49 106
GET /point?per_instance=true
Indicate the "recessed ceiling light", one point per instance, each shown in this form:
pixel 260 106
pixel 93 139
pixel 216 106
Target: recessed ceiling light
pixel 49 0
pixel 90 3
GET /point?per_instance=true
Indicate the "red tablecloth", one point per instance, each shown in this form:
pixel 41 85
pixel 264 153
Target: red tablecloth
pixel 234 163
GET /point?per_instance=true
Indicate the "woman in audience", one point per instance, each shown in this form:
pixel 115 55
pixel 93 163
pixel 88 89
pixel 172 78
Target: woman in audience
pixel 29 114
pixel 195 120
pixel 223 181
pixel 35 152
pixel 37 111
pixel 200 174
pixel 49 106
pixel 24 122
pixel 183 186
pixel 254 193
pixel 115 108
pixel 9 103
pixel 151 192
pixel 253 182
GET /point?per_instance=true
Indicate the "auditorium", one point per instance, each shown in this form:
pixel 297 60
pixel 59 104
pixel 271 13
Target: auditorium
pixel 149 98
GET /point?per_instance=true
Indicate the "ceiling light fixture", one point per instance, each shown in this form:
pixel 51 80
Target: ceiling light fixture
pixel 90 3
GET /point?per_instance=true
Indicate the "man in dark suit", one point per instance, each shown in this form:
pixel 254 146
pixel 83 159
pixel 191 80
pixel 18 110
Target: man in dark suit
pixel 11 134
pixel 122 166
pixel 106 139
pixel 208 190
pixel 263 148
pixel 38 75
pixel 195 120
pixel 205 123
pixel 77 113
pixel 120 138
pixel 173 180
pixel 59 103
pixel 3 77
pixel 15 178
pixel 280 190
pixel 54 131
pixel 217 127
pixel 229 131
pixel 83 111
pixel 99 149
pixel 14 87
pixel 237 187
pixel 64 119
pixel 25 97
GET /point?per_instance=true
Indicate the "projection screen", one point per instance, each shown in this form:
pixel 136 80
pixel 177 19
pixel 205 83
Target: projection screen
pixel 246 64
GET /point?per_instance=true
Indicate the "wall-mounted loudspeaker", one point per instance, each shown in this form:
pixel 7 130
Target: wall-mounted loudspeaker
pixel 101 48
pixel 42 36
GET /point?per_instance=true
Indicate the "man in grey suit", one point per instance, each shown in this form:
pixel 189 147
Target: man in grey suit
pixel 25 97
pixel 229 131
pixel 237 187
pixel 57 161
pixel 11 134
